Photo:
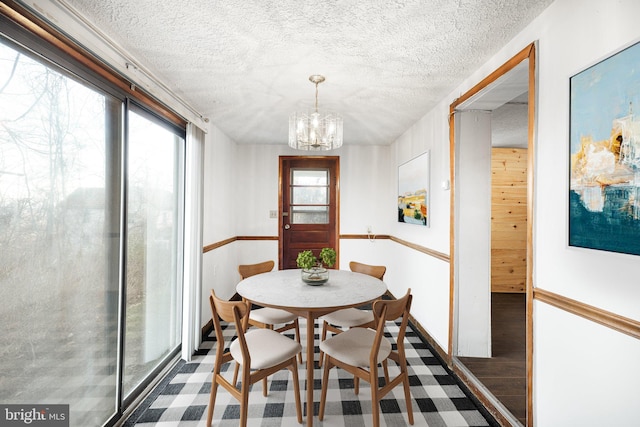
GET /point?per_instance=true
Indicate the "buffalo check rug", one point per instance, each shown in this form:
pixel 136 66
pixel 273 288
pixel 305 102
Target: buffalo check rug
pixel 438 399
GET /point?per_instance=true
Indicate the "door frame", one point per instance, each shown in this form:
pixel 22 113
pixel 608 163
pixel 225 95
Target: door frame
pixel 336 219
pixel 529 53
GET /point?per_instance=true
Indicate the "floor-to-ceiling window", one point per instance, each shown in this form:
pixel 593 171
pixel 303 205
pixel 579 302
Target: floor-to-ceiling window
pixel 91 202
pixel 154 156
pixel 59 287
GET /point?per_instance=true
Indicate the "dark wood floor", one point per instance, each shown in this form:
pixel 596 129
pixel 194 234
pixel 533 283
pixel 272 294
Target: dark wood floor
pixel 505 373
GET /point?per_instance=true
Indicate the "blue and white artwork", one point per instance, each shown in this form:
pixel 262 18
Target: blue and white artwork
pixel 604 195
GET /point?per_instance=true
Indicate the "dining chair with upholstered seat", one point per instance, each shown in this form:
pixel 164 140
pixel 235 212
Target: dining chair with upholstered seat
pixel 267 317
pixel 260 352
pixel 359 351
pixel 351 317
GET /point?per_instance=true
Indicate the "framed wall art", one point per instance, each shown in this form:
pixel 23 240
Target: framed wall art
pixel 413 191
pixel 604 188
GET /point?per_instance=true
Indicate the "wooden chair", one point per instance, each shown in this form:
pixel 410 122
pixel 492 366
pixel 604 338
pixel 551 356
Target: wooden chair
pixel 260 352
pixel 360 350
pixel 351 317
pixel 266 317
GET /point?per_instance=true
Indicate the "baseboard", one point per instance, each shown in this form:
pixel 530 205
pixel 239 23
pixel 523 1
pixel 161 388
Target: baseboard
pixel 429 339
pixel 206 330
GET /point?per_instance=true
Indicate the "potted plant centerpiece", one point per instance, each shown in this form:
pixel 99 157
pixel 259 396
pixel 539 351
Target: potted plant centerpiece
pixel 313 270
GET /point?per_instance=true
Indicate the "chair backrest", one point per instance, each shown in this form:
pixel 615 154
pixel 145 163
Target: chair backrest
pixel 388 310
pixel 236 312
pixel 248 270
pixel 226 310
pixel 376 271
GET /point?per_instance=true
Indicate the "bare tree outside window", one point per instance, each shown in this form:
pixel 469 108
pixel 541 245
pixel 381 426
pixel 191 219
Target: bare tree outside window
pixel 53 270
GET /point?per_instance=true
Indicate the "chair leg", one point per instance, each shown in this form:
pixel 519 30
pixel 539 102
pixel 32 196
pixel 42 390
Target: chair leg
pixel 325 380
pixel 212 399
pixel 244 398
pixel 375 402
pixel 385 367
pixel 296 389
pixel 264 380
pixel 356 384
pixel 407 395
pixel 323 337
pixel 236 370
pixel 297 328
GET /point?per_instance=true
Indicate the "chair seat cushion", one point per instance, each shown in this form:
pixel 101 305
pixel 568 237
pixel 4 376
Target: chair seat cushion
pixel 266 347
pixel 271 316
pixel 348 317
pixel 354 347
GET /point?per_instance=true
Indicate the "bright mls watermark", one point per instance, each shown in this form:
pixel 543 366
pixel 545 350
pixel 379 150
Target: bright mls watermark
pixel 34 415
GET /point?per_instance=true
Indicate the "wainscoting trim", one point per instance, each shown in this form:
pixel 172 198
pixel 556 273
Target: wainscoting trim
pixel 606 318
pixel 424 250
pixel 219 244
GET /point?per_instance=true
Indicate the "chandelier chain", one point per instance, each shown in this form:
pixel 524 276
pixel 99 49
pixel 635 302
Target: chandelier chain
pixel 317 96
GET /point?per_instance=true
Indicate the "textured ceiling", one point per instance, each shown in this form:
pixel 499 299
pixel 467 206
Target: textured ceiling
pixel 245 64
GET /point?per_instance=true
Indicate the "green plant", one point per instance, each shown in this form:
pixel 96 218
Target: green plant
pixel 306 259
pixel 328 256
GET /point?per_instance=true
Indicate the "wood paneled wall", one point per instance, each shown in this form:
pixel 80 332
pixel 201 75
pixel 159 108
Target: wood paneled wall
pixel 508 219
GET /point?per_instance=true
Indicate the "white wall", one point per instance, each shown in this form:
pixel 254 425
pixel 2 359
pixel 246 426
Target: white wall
pixel 431 133
pixel 219 219
pixel 586 375
pixel 473 234
pixel 427 276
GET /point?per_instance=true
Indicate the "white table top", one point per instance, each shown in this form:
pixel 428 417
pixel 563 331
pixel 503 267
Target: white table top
pixel 285 289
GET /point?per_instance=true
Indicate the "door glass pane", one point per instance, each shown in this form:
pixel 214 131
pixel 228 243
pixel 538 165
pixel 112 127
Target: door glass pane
pixel 153 244
pixel 59 234
pixel 310 177
pixel 309 215
pixel 309 196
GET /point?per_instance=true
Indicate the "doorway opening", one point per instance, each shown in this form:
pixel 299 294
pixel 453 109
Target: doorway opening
pixel 491 323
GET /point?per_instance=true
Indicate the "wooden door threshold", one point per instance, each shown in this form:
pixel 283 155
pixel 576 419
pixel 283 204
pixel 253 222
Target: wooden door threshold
pixel 482 393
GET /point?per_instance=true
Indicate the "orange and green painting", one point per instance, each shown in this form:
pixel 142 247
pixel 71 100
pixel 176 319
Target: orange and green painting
pixel 413 194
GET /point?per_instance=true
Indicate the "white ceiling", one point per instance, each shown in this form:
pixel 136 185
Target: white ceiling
pixel 245 63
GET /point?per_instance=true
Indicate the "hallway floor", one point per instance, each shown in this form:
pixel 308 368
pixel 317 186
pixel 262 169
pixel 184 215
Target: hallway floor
pixel 505 374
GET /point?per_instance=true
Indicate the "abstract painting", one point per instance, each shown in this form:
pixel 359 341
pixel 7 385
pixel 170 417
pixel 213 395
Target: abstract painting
pixel 413 191
pixel 604 189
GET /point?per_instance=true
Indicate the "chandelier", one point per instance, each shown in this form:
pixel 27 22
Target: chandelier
pixel 315 131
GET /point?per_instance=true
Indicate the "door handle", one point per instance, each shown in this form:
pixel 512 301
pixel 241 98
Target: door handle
pixel 287 226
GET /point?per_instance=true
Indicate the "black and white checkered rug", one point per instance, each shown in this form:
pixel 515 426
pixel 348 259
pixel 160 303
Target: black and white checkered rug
pixel 438 399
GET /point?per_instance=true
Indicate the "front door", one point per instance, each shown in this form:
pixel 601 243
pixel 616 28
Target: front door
pixel 308 206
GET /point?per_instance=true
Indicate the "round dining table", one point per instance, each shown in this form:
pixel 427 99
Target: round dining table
pixel 285 289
